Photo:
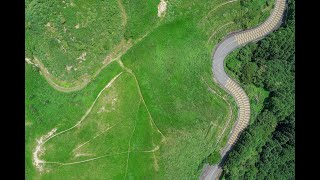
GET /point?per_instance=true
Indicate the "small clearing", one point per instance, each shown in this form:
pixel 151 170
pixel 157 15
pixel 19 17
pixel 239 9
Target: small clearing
pixel 82 56
pixel 40 151
pixel 162 7
pixel 68 68
pixel 28 60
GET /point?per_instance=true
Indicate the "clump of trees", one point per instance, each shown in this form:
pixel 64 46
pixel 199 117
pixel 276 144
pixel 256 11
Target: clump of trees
pixel 266 149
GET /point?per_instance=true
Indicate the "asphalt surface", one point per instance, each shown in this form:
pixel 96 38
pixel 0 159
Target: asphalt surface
pixel 230 43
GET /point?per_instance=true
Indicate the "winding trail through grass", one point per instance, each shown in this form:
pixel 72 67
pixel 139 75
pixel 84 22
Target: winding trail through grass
pixel 52 134
pixel 107 155
pixel 123 13
pixel 116 53
pixel 44 139
pixel 129 147
pixel 106 130
pixel 130 71
pixel 89 110
pixel 56 83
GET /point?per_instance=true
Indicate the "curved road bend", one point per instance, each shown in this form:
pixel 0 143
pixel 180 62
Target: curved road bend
pixel 230 43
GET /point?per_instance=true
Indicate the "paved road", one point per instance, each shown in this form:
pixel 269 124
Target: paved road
pixel 230 43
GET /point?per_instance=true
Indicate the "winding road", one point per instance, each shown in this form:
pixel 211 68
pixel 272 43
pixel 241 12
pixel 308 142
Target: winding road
pixel 230 43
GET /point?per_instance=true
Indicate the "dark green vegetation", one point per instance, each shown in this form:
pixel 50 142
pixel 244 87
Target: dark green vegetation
pixel 164 87
pixel 253 13
pixel 266 149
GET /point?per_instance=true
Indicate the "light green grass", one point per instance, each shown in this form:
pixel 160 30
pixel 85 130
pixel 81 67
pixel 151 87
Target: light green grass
pixel 47 108
pixel 170 75
pixel 171 65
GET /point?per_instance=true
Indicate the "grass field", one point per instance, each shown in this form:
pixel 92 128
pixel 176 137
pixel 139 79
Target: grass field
pixel 149 109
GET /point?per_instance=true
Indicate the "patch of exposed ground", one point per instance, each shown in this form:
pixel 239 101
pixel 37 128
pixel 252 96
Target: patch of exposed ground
pixel 68 68
pixel 82 57
pixel 110 101
pixel 39 150
pixel 162 7
pixel 28 60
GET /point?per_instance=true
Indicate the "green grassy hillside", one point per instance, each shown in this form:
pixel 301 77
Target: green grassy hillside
pixel 149 109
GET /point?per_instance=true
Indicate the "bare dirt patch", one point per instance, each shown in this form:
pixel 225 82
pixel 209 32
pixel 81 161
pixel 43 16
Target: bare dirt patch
pixel 162 7
pixel 68 68
pixel 39 151
pixel 82 57
pixel 28 60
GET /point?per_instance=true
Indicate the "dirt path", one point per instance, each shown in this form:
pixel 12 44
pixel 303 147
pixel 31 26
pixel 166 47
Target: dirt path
pixel 130 71
pixel 117 53
pixel 150 117
pixel 119 50
pixel 89 110
pixel 103 132
pixel 39 151
pixel 54 82
pixel 129 147
pixel 99 157
pixel 123 13
pixel 44 139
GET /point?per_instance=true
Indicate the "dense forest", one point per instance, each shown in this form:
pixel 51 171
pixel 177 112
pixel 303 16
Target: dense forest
pixel 266 149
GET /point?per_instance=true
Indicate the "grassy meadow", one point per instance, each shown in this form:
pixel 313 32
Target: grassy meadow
pixel 161 116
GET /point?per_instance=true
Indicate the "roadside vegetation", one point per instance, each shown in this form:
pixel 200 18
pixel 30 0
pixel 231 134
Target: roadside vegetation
pixel 165 93
pixel 250 14
pixel 266 149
